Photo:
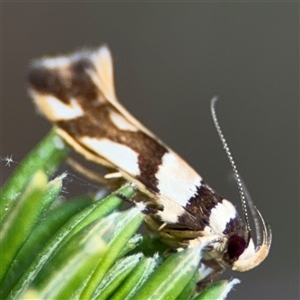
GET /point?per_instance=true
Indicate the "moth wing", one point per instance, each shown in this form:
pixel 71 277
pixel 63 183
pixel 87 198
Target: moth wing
pixel 103 78
pixel 77 93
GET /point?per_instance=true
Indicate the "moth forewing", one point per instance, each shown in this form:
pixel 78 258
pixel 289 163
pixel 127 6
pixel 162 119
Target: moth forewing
pixel 76 93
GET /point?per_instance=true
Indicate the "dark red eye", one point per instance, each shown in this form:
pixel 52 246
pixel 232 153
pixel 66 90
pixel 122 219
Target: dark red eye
pixel 236 247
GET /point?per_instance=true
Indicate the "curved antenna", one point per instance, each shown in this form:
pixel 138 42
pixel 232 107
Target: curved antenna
pixel 255 215
pixel 232 163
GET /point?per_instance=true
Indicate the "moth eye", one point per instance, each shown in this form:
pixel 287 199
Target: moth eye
pixel 236 246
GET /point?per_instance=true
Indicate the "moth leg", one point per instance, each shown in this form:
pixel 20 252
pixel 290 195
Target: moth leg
pixel 124 198
pixel 113 175
pixel 162 226
pixel 141 200
pixel 112 182
pixel 215 271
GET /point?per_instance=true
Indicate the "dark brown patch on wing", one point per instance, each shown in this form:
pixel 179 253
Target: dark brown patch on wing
pixel 48 82
pixel 67 82
pixel 82 88
pixel 199 208
pixel 96 123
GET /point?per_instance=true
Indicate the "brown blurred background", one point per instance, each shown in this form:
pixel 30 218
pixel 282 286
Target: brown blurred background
pixel 170 60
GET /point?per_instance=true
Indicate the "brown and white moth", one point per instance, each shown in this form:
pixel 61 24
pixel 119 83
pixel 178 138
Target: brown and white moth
pixel 77 94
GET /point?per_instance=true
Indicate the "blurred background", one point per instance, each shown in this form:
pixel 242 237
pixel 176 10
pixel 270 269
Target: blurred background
pixel 170 60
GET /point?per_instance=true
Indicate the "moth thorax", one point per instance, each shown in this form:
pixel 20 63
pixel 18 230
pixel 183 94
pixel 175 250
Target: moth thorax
pixel 220 246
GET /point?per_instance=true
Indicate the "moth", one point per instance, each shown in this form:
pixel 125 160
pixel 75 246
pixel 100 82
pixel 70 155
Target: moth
pixel 77 94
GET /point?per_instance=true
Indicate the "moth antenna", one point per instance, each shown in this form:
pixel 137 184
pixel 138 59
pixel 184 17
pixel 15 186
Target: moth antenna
pixel 254 212
pixel 233 165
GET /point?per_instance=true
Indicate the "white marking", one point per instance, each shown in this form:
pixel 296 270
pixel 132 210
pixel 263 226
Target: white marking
pixel 220 216
pixel 208 230
pixel 177 180
pixel 120 122
pixel 56 62
pixel 121 156
pixel 171 212
pixel 56 110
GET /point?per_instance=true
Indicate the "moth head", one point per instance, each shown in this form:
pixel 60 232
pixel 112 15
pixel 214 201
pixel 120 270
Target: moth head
pixel 242 255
